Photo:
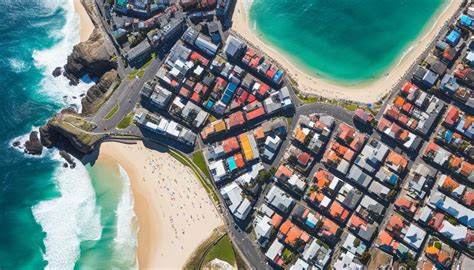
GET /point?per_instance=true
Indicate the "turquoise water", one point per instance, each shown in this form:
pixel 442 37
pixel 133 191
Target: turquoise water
pixel 51 216
pixel 343 40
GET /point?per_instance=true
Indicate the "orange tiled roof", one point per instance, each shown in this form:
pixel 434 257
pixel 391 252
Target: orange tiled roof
pixel 330 226
pixel 283 170
pixel 399 101
pixel 276 220
pixel 246 147
pixel 403 202
pixel 357 221
pixel 286 226
pixel 294 234
pixel 385 238
pixel 258 133
pixel 230 144
pixel 443 257
pixel 395 222
pixel 322 179
pixel 469 198
pixel 466 168
pixel 299 135
pixel 337 210
pixel 449 183
pixel 239 160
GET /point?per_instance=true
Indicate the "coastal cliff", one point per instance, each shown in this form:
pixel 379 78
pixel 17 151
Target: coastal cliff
pixel 89 57
pixel 68 130
pixel 98 93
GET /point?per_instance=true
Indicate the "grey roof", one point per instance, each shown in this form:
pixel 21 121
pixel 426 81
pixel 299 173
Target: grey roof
pixel 190 35
pixel 142 48
pixel 359 177
pixel 379 190
pixel 430 78
pixel 372 205
pixel 279 199
pixel 233 46
pixel 352 198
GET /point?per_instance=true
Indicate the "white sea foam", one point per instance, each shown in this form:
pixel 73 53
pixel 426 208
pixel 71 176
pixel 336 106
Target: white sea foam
pixel 58 88
pixel 126 229
pixel 69 219
pixel 23 138
pixel 74 216
pixel 18 65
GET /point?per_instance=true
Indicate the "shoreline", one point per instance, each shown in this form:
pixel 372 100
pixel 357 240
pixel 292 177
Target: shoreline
pixel 167 215
pixel 86 25
pixel 364 92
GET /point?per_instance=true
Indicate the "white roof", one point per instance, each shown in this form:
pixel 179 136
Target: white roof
pixel 172 129
pixel 296 181
pixel 300 265
pixel 346 262
pixel 238 205
pixel 455 233
pixel 414 236
pixel 217 169
pixel 311 250
pixel 326 201
pixel 274 250
pixel 349 243
pixel 151 125
pixel 263 227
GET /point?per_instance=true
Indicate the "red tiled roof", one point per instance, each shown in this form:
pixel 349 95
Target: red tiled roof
pixel 255 113
pixel 236 119
pixel 452 116
pixel 304 158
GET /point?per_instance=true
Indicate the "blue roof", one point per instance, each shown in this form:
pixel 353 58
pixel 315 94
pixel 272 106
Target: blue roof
pixel 448 135
pixel 229 92
pixel 209 104
pixel 465 20
pixel 393 179
pixel 310 224
pixel 278 75
pixel 231 163
pixel 453 37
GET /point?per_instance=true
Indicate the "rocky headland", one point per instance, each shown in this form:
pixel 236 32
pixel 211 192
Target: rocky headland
pixel 69 130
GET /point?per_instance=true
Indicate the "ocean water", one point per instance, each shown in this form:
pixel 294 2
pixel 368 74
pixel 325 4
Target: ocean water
pixel 344 40
pixel 52 217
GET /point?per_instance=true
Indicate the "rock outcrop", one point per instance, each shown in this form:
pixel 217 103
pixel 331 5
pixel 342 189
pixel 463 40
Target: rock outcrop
pixel 89 57
pixel 68 159
pixel 96 95
pixel 33 146
pixel 57 71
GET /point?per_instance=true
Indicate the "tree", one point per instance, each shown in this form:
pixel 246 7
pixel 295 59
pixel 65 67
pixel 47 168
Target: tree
pixel 365 257
pixel 356 242
pixel 265 175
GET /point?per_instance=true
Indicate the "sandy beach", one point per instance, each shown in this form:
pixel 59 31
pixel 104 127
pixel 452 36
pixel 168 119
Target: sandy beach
pixel 86 24
pixel 173 210
pixel 366 93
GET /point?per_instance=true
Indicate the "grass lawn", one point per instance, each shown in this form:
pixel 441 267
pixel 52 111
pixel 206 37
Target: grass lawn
pixel 112 112
pixel 223 250
pixel 351 107
pixel 198 159
pixel 308 100
pixel 126 121
pixel 289 120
